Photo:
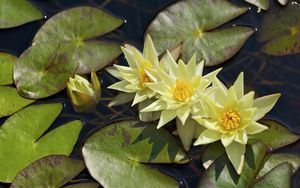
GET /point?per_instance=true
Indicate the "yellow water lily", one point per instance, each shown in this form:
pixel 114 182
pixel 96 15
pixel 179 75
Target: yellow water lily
pixel 232 115
pixel 179 90
pixel 134 78
pixel 83 94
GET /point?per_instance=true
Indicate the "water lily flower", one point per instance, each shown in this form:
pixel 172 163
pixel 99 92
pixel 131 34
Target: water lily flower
pixel 180 90
pixel 135 77
pixel 83 94
pixel 233 116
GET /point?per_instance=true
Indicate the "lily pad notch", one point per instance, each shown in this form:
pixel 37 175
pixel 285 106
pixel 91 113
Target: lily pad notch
pixel 65 45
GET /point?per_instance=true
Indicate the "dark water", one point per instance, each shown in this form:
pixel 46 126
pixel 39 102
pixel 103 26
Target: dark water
pixel 264 74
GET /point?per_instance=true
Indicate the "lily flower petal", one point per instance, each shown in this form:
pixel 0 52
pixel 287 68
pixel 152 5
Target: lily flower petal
pixel 236 154
pixel 255 128
pixel 239 86
pixel 207 137
pixel 165 117
pixel 265 104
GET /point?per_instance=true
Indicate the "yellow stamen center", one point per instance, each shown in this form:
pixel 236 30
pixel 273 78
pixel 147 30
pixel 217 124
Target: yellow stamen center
pixel 144 78
pixel 182 90
pixel 230 119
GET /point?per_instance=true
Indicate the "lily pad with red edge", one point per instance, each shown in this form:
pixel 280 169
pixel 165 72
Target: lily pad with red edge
pixel 17 12
pixel 117 154
pixel 195 24
pixel 280 30
pixel 50 171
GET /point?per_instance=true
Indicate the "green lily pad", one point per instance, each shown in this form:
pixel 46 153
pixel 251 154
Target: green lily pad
pixel 275 137
pixel 76 27
pixel 17 12
pixel 114 155
pixel 43 70
pixel 7 62
pixel 50 171
pixel 22 139
pixel 194 23
pixel 222 174
pixel 281 31
pixel 279 177
pixel 11 101
pixel 278 158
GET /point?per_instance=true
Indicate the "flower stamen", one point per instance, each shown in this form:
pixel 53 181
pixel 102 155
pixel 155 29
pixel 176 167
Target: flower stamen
pixel 182 90
pixel 144 78
pixel 230 119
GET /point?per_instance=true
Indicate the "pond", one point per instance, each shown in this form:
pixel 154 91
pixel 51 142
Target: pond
pixel 265 74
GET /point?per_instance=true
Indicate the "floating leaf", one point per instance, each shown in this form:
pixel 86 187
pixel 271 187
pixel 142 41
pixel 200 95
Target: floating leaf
pixel 17 12
pixel 281 31
pixel 279 177
pixel 11 101
pixel 278 158
pixel 50 171
pixel 7 62
pixel 194 24
pixel 75 27
pixel 22 138
pixel 222 174
pixel 114 155
pixel 43 70
pixel 275 137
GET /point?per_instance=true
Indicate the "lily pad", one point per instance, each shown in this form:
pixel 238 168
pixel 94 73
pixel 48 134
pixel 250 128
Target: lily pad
pixel 278 158
pixel 194 23
pixel 43 70
pixel 22 139
pixel 17 12
pixel 222 174
pixel 76 27
pixel 275 137
pixel 114 155
pixel 281 31
pixel 7 62
pixel 279 177
pixel 11 101
pixel 50 171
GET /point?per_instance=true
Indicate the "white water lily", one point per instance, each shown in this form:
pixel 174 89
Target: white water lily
pixel 134 78
pixel 232 116
pixel 83 94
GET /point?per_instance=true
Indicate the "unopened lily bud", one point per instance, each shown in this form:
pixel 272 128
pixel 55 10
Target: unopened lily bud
pixel 83 94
